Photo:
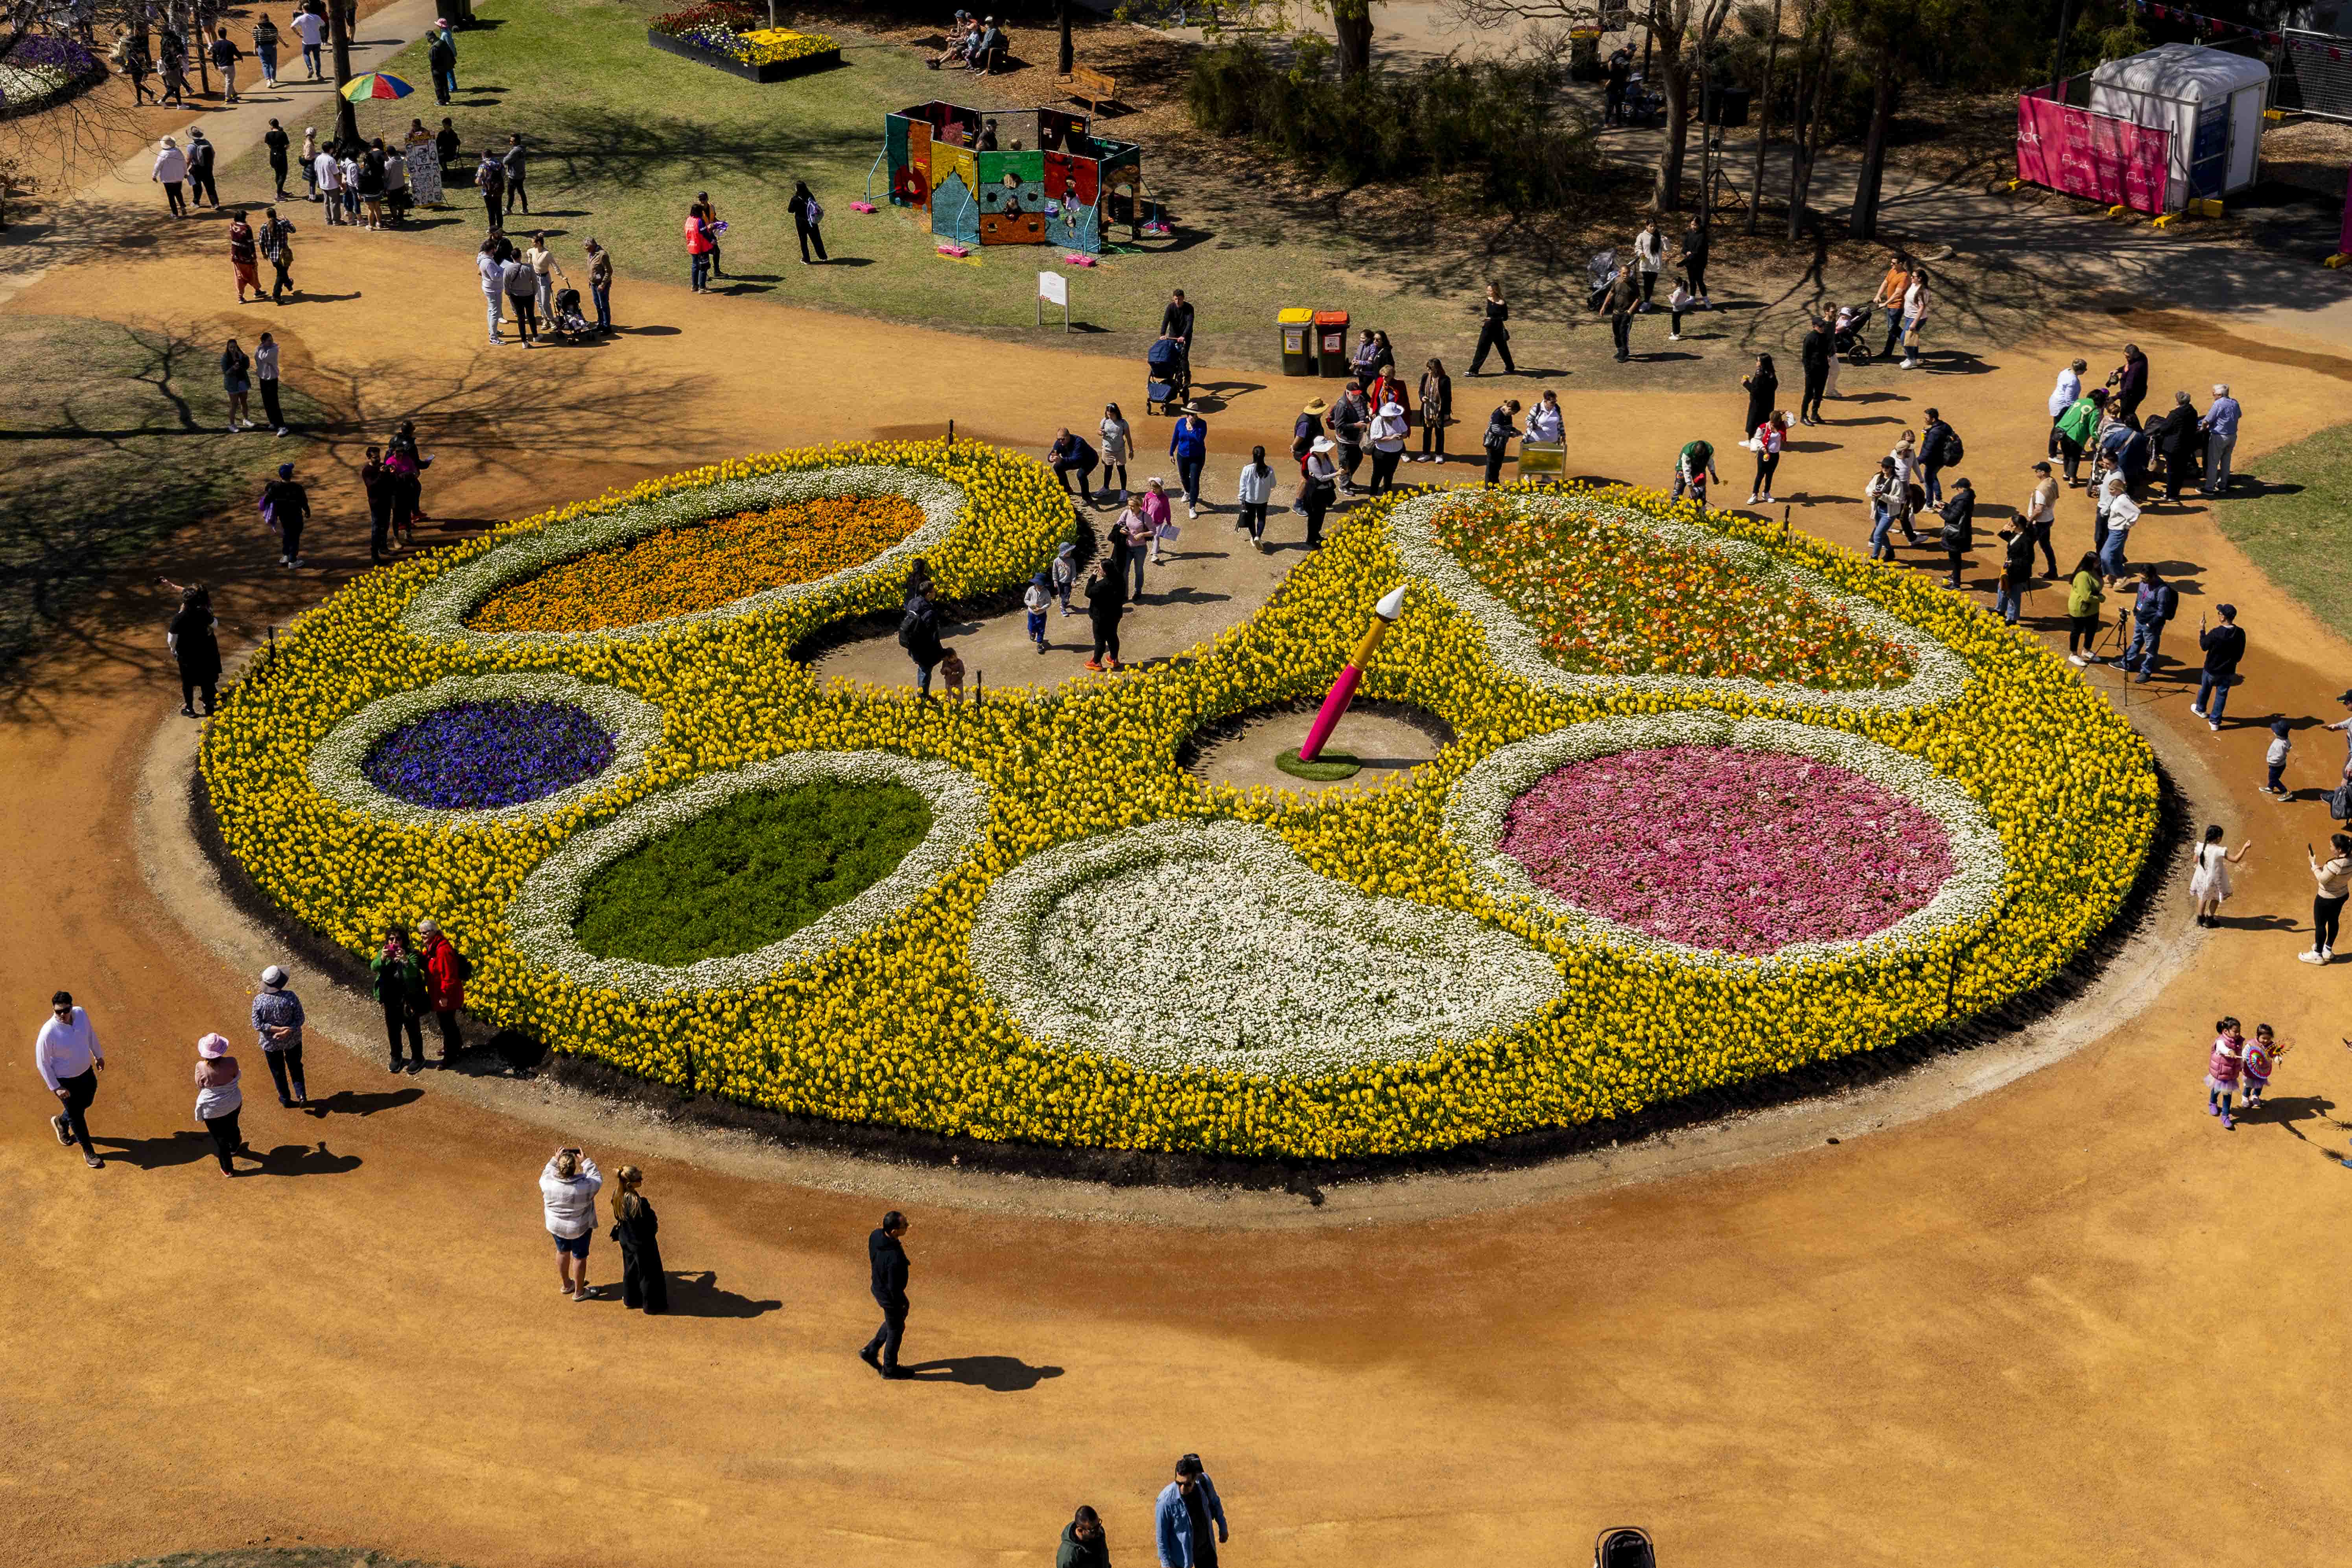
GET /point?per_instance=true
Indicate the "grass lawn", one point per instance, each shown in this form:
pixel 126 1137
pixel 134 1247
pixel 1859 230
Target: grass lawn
pixel 625 135
pixel 2293 528
pixel 97 412
pixel 752 872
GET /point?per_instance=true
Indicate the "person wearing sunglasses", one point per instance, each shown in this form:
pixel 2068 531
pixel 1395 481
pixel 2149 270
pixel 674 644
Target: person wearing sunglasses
pixel 67 1054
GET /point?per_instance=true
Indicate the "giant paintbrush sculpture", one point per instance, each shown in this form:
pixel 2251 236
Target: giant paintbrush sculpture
pixel 1343 690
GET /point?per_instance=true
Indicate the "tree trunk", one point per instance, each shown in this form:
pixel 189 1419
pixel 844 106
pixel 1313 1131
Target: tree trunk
pixel 1668 197
pixel 1764 121
pixel 1351 25
pixel 201 46
pixel 1864 222
pixel 347 120
pixel 1066 59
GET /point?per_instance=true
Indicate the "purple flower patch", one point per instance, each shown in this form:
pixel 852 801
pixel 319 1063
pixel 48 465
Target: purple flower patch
pixel 474 756
pixel 1735 850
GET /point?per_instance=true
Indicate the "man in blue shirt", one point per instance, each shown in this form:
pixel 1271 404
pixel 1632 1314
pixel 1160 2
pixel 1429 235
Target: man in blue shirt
pixel 2221 427
pixel 1188 1507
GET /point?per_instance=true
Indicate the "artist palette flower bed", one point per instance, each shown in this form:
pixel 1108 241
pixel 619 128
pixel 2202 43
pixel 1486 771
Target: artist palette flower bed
pixel 1089 946
pixel 503 751
pixel 730 37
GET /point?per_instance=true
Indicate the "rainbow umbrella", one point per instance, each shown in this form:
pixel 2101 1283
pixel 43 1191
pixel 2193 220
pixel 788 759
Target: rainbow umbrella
pixel 375 84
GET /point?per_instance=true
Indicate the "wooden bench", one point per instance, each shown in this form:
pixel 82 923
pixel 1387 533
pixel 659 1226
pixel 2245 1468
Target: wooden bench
pixel 1090 86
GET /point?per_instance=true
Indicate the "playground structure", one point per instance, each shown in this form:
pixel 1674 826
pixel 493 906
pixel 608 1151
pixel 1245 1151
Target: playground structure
pixel 1048 181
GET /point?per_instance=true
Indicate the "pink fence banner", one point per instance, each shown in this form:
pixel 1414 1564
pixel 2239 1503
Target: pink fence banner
pixel 2094 156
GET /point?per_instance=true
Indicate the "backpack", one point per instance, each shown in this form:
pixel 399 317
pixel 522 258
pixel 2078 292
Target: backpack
pixel 1953 450
pixel 2168 602
pixel 909 622
pixel 464 965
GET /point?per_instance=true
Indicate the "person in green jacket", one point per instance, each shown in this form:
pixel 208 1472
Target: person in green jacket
pixel 400 990
pixel 1083 1543
pixel 2077 426
pixel 2084 598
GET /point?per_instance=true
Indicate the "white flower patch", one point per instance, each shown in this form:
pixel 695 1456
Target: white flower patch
pixel 438 612
pixel 1211 945
pixel 337 773
pixel 1477 807
pixel 1939 675
pixel 547 906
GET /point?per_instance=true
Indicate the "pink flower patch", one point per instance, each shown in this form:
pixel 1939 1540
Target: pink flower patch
pixel 1735 850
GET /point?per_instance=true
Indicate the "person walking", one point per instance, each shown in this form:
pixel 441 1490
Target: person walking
pixel 919 634
pixel 326 169
pixel 1252 493
pixel 441 59
pixel 1617 302
pixel 2179 443
pixel 276 239
pixel 225 56
pixel 2221 427
pixel 2256 1059
pixel 236 380
pixel 2333 880
pixel 2042 514
pixel 1816 354
pixel 275 139
pixel 1888 301
pixel 490 179
pixel 311 29
pixel 1321 487
pixel 2209 885
pixel 67 1054
pixel 170 172
pixel 1083 1543
pixel 636 1229
pixel 1436 411
pixel 1958 534
pixel 2153 606
pixel 1176 320
pixel 2221 1070
pixel 399 986
pixel 1915 317
pixel 2129 380
pixel 2224 645
pixel 1494 333
pixel 1693 261
pixel 567 1196
pixel 1649 261
pixel 494 292
pixel 2016 572
pixel 1889 501
pixel 376 480
pixel 131 55
pixel 1616 79
pixel 2084 598
pixel 308 160
pixel 521 286
pixel 2063 395
pixel 1766 441
pixel 1189 444
pixel 1118 446
pixel 886 1258
pixel 1388 433
pixel 220 1098
pixel 446 973
pixel 1073 455
pixel 1763 387
pixel 808 217
pixel 514 161
pixel 1188 1519
pixel 285 502
pixel 192 638
pixel 2078 429
pixel 1937 451
pixel 600 285
pixel 1106 594
pixel 264 376
pixel 1498 439
pixel 1146 523
pixel 265 48
pixel 699 249
pixel 277 1022
pixel 2121 512
pixel 171 58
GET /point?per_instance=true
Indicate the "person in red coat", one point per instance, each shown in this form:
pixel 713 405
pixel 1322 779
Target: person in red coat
pixel 446 971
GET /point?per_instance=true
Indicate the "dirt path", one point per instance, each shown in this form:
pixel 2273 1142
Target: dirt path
pixel 2038 1326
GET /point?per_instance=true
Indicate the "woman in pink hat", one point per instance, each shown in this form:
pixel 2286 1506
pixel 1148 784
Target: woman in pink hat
pixel 219 1100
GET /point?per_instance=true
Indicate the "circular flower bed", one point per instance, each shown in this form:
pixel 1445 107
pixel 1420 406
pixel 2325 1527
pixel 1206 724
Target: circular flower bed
pixel 1092 946
pixel 1712 846
pixel 505 752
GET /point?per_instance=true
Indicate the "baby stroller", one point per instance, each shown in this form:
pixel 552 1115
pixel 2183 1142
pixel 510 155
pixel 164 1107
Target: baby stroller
pixel 1166 377
pixel 1599 273
pixel 1850 336
pixel 569 323
pixel 1623 1546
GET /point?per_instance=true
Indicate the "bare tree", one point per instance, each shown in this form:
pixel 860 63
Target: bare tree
pixel 1816 71
pixel 1764 118
pixel 65 144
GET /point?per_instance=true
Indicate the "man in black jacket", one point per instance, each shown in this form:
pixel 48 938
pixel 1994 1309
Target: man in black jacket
pixel 2016 570
pixel 888 1261
pixel 2224 645
pixel 1814 355
pixel 1176 321
pixel 919 634
pixel 287 501
pixel 1960 537
pixel 1934 456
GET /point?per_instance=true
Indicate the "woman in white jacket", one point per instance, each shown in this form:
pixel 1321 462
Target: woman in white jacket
pixel 1252 493
pixel 568 1190
pixel 171 171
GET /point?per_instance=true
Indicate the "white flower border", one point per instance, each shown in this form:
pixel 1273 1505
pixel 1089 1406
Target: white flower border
pixel 438 612
pixel 1002 954
pixel 1939 675
pixel 541 917
pixel 337 764
pixel 1477 806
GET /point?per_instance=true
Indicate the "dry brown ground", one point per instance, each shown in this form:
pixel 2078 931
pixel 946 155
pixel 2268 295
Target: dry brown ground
pixel 2073 1320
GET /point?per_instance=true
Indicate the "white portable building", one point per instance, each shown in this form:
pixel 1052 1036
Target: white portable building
pixel 2210 99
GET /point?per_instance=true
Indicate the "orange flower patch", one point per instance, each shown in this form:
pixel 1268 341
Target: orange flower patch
pixel 680 570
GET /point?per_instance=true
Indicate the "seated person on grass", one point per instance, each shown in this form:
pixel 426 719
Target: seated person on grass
pixel 958 40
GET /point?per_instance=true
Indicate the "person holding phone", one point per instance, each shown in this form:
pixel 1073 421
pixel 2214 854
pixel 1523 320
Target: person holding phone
pixel 567 1191
pixel 2334 881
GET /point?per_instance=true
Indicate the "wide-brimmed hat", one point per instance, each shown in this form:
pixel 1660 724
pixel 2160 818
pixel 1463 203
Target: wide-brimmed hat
pixel 273 977
pixel 1315 405
pixel 212 1046
pixel 1388 408
pixel 1322 444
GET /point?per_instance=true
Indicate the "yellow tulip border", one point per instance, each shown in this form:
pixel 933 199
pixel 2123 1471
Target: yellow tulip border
pixel 892 1027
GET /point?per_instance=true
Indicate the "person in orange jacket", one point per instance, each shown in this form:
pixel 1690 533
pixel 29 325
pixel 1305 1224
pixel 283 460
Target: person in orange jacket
pixel 445 973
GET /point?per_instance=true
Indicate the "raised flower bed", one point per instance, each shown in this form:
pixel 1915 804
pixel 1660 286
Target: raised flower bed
pixel 1635 874
pixel 733 37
